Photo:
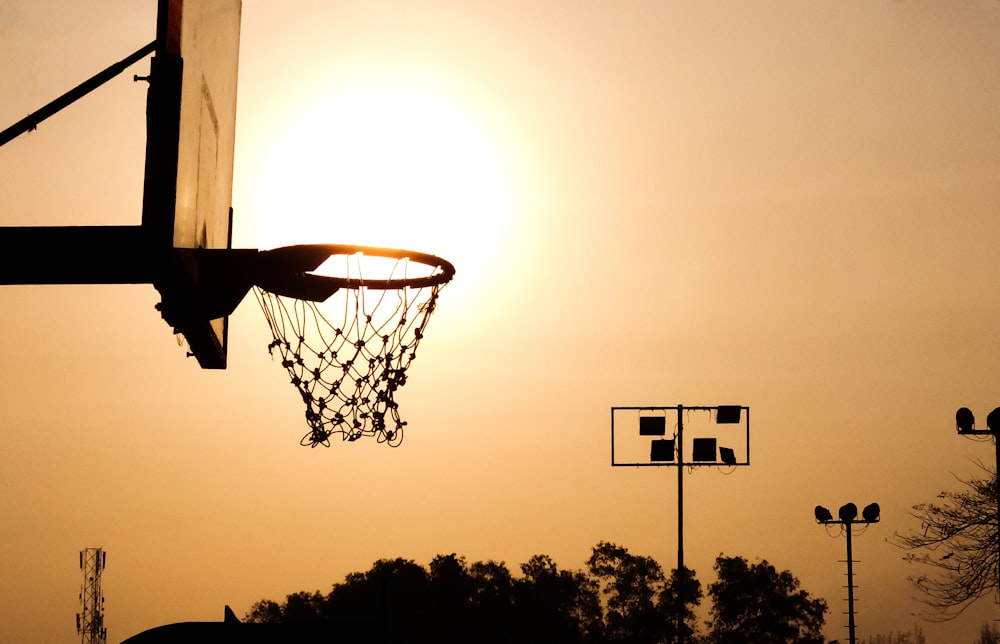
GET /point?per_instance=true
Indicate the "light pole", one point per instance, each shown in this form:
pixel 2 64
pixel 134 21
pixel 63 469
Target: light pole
pixel 654 449
pixel 848 518
pixel 965 422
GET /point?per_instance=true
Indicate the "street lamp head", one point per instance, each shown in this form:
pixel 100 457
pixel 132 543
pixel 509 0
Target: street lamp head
pixel 848 512
pixel 871 513
pixel 823 515
pixel 993 420
pixel 965 420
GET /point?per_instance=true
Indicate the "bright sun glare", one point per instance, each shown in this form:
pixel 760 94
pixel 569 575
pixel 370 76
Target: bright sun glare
pixel 385 166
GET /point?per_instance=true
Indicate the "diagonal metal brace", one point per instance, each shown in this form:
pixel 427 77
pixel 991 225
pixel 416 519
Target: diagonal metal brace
pixel 31 121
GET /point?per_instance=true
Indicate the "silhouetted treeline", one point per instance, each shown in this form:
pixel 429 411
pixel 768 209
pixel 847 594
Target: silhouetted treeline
pixel 620 597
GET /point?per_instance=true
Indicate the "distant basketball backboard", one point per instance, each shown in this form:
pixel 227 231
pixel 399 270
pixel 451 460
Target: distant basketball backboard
pixel 191 132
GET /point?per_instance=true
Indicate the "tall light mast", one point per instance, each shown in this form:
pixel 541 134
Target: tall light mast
pixel 90 619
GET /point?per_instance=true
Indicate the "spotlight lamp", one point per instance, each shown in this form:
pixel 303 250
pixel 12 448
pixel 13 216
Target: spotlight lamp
pixel 703 449
pixel 993 420
pixel 848 512
pixel 728 414
pixel 965 420
pixel 870 513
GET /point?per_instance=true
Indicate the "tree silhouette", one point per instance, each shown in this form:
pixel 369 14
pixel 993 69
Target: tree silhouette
pixel 988 634
pixel 492 606
pixel 756 603
pixel 630 585
pixel 908 637
pixel 555 606
pixel 392 594
pixel 620 597
pixel 681 593
pixel 297 608
pixel 265 611
pixel 957 538
pixel 449 600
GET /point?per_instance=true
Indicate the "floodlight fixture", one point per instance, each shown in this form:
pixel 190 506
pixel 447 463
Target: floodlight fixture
pixel 965 420
pixel 848 512
pixel 652 425
pixel 871 513
pixel 662 450
pixel 703 450
pixel 728 414
pixel 668 446
pixel 993 420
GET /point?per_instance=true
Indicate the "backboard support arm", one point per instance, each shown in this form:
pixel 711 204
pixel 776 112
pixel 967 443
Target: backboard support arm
pixel 219 278
pixel 75 255
pixel 214 281
pixel 31 121
pixel 122 255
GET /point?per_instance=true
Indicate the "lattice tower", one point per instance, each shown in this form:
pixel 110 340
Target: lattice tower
pixel 90 619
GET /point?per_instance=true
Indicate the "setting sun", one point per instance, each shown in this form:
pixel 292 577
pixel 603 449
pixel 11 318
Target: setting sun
pixel 387 166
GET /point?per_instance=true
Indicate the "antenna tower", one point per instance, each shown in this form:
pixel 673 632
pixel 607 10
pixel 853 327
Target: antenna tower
pixel 90 619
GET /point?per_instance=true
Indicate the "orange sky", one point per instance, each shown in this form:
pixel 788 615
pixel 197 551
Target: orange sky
pixel 785 205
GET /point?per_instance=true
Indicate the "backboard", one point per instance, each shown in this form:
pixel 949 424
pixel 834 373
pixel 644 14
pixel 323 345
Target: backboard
pixel 191 132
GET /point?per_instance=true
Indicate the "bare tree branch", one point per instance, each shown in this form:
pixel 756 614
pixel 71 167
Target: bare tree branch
pixel 958 540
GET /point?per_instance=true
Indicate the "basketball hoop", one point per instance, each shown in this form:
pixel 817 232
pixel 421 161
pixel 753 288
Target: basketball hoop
pixel 348 338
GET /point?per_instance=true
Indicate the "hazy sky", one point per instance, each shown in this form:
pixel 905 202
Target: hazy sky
pixel 787 205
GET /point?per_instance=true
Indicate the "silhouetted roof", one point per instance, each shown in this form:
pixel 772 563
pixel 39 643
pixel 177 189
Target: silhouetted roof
pixel 232 631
